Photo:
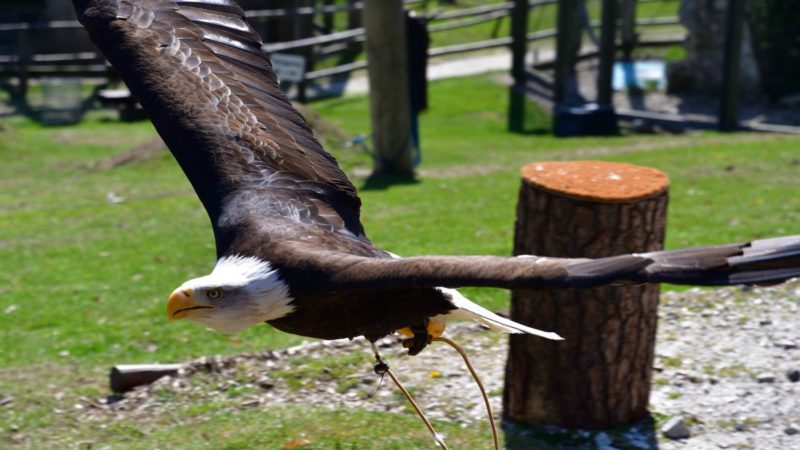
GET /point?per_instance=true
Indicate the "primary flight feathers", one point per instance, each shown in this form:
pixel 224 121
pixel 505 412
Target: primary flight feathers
pixel 272 193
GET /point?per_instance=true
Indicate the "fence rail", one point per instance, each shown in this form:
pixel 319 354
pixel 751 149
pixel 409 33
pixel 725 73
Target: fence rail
pixel 23 64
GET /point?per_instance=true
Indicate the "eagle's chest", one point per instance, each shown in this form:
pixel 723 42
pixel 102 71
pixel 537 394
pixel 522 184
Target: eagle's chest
pixel 369 313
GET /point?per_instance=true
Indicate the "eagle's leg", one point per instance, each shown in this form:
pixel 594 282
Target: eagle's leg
pixel 380 365
pixel 382 368
pixel 419 340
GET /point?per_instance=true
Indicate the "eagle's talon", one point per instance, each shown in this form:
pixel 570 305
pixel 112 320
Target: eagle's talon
pixel 419 340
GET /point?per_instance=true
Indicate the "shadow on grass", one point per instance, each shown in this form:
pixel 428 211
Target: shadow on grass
pixel 638 435
pixel 381 182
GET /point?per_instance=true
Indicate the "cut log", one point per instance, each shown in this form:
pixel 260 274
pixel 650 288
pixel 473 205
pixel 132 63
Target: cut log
pixel 600 375
pixel 125 377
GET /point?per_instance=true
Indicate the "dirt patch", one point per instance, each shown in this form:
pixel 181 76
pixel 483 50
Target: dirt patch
pixel 142 152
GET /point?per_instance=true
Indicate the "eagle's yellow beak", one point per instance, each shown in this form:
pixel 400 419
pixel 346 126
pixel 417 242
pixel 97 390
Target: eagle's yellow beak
pixel 180 303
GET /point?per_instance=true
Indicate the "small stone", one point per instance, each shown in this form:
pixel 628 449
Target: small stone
pixel 765 377
pixel 265 384
pixel 793 375
pixel 602 440
pixel 786 344
pixel 792 429
pixel 675 428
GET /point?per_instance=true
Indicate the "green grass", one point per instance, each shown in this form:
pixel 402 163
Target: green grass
pixel 84 281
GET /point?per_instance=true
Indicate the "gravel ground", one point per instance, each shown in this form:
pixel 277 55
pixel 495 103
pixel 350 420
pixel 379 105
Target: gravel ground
pixel 724 365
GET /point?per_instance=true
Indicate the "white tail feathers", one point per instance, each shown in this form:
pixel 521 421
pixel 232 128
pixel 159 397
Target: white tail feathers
pixel 466 309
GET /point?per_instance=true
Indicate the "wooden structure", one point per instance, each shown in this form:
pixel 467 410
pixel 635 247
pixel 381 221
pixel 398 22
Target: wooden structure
pixel 729 94
pixel 390 104
pixel 124 377
pixel 600 375
pixel 608 51
pixel 560 91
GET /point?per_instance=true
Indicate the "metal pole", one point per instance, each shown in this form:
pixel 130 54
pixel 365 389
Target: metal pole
pixel 731 66
pixel 607 52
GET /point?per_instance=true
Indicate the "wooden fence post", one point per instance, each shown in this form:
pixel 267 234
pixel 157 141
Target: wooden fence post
pixel 568 44
pixel 608 53
pixel 628 20
pixel 600 375
pixel 327 17
pixel 731 66
pixel 390 103
pixel 303 27
pixel 20 97
pixel 354 20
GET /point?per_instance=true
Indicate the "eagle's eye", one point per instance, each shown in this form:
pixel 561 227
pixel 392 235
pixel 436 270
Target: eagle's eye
pixel 214 294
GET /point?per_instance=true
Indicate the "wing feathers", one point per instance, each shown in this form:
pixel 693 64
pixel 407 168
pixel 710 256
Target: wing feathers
pixel 757 263
pixel 198 69
pixel 224 6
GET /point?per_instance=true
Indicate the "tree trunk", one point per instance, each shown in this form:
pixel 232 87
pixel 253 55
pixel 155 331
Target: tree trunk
pixel 600 375
pixel 388 86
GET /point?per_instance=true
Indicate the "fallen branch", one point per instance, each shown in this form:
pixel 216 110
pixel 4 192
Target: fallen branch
pixel 125 377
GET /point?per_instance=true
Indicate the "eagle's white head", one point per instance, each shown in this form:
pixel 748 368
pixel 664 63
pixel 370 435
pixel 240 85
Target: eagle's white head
pixel 240 292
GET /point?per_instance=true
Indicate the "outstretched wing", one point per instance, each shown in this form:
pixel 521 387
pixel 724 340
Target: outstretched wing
pixel 764 261
pixel 197 68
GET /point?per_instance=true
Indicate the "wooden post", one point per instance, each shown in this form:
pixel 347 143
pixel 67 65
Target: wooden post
pixel 519 48
pixel 568 42
pixel 600 375
pixel 731 66
pixel 125 377
pixel 608 51
pixel 519 40
pixel 327 17
pixel 354 20
pixel 20 97
pixel 629 36
pixel 303 27
pixel 390 104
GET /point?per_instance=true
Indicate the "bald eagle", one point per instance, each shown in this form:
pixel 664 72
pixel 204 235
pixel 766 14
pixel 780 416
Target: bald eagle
pixel 291 250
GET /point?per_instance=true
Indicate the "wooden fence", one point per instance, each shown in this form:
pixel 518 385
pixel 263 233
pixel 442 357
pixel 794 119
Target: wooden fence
pixel 22 64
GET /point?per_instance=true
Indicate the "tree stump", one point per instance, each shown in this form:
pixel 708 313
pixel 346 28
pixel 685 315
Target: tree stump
pixel 600 375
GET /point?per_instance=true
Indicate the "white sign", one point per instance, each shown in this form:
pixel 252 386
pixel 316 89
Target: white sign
pixel 288 67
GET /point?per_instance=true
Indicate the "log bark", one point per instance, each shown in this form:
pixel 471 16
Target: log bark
pixel 600 375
